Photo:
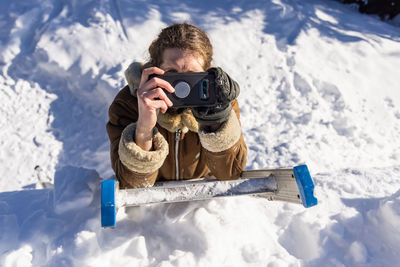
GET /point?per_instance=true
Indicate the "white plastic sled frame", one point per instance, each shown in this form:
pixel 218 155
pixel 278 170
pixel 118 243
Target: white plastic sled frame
pixel 284 184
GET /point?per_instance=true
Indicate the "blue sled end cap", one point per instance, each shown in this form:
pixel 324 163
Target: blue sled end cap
pixel 306 186
pixel 108 207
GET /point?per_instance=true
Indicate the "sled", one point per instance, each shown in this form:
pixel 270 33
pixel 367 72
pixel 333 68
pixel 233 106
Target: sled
pixel 293 185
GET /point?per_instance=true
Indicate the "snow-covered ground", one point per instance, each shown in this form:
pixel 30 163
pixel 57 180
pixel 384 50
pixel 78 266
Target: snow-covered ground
pixel 320 85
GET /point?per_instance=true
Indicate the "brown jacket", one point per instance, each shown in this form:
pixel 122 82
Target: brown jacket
pixel 221 154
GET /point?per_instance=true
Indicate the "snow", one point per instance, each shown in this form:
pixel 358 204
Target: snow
pixel 198 189
pixel 319 86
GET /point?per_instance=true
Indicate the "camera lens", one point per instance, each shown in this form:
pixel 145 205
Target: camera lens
pixel 204 95
pixel 182 89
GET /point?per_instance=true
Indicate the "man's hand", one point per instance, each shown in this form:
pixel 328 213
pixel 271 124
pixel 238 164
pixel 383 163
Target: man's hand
pixel 211 118
pixel 151 99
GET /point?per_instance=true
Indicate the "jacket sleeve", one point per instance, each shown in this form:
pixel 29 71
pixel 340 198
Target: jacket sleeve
pixel 225 149
pixel 133 166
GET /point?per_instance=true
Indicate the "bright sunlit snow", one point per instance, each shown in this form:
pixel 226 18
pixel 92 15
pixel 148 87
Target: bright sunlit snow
pixel 319 85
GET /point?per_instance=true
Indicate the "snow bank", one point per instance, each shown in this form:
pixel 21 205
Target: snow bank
pixel 38 225
pixel 61 227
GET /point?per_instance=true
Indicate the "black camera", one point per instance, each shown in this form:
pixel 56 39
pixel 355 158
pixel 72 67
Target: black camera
pixel 192 89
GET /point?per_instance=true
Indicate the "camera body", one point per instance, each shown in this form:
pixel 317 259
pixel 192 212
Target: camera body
pixel 192 89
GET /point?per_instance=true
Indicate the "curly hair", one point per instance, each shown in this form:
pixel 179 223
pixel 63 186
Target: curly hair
pixel 183 36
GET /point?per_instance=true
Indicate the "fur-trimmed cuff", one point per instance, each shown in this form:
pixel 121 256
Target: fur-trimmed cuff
pixel 224 138
pixel 135 158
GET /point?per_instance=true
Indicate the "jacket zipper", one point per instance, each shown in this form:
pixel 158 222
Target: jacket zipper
pixel 177 140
